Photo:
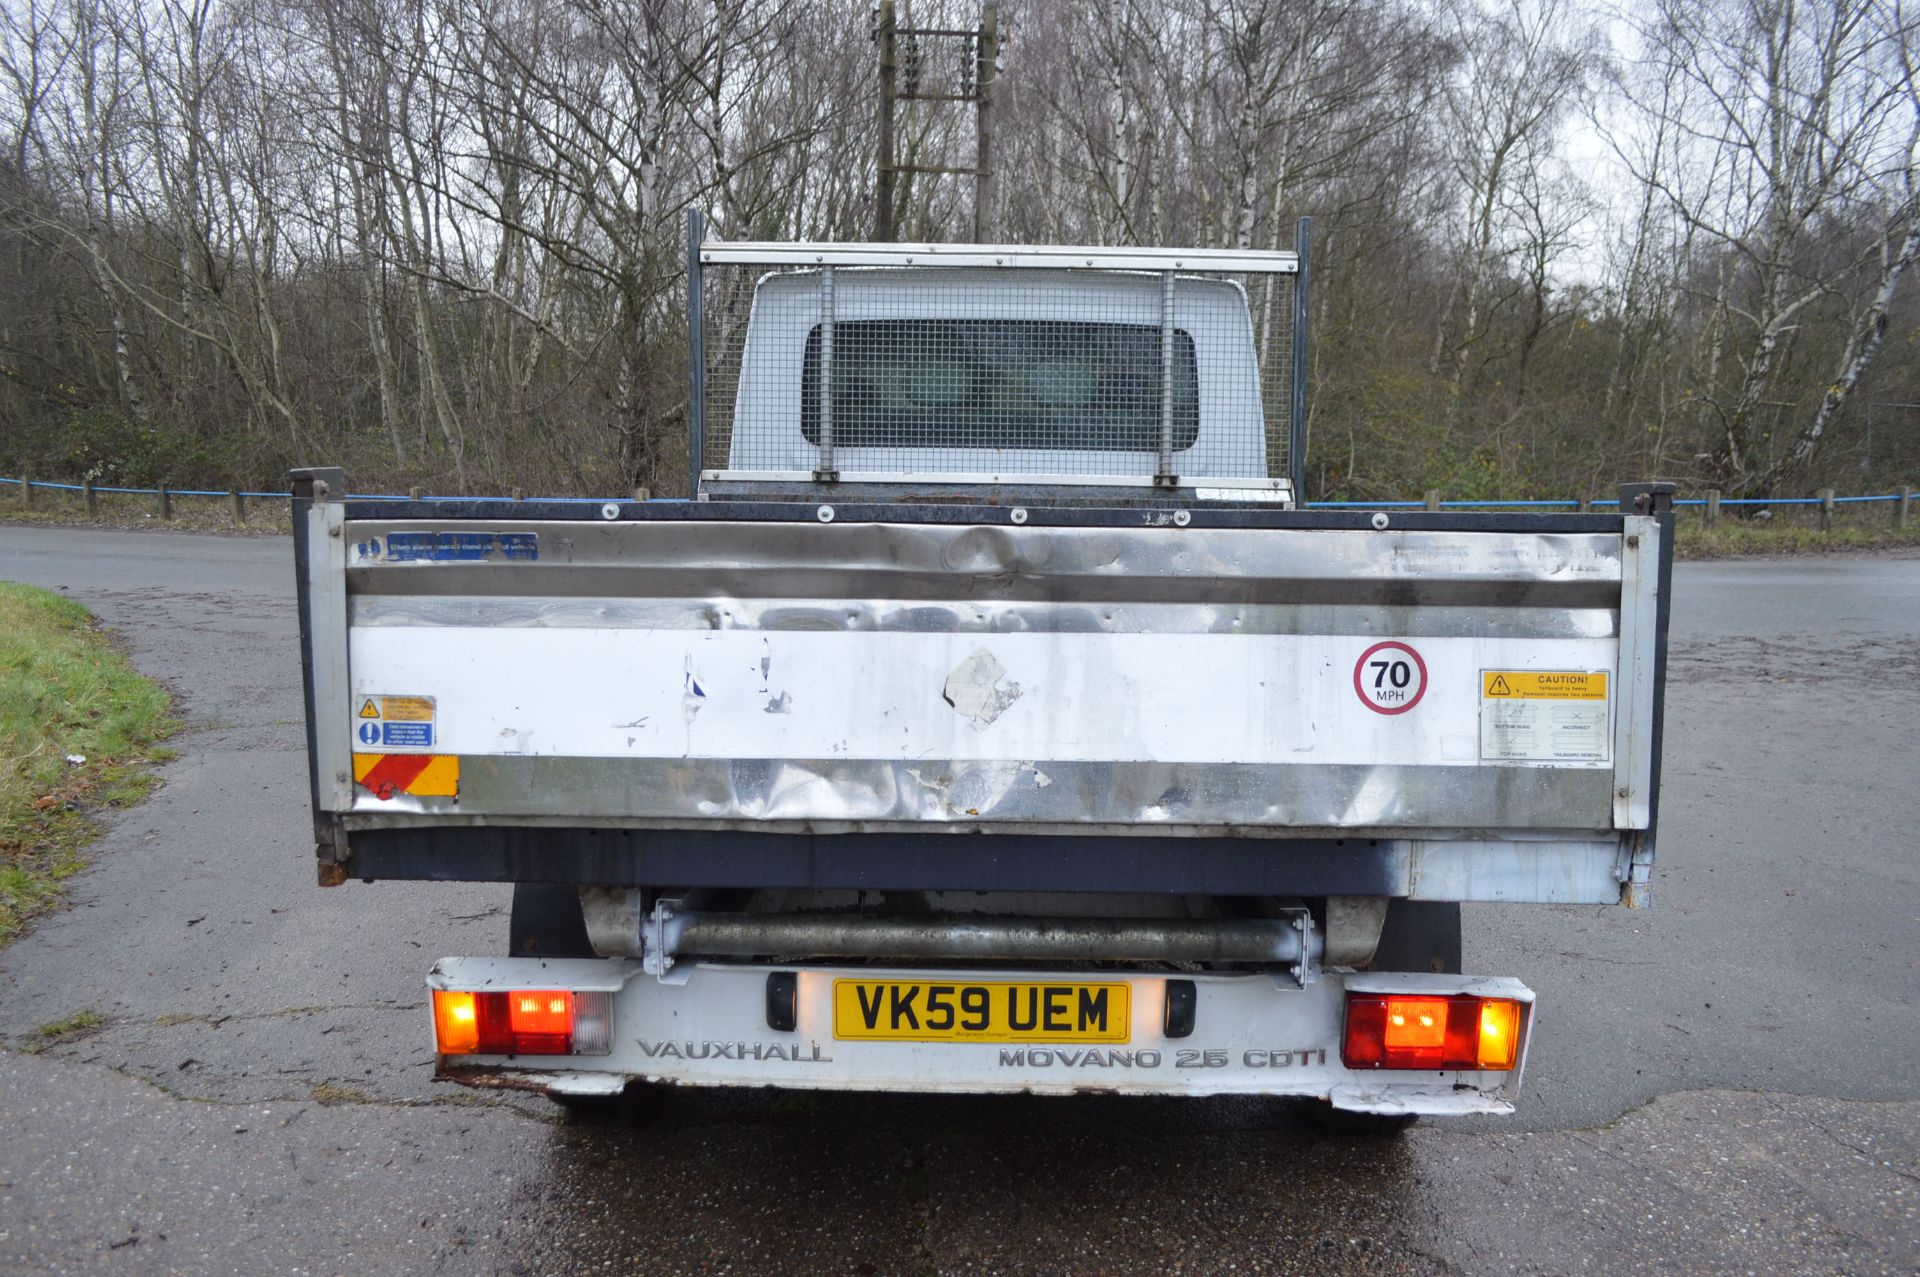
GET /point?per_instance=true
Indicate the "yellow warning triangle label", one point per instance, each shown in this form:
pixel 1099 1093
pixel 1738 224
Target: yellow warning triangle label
pixel 1499 686
pixel 369 710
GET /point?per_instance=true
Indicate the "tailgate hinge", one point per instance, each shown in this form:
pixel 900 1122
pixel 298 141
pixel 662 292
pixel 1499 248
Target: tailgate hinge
pixel 1635 870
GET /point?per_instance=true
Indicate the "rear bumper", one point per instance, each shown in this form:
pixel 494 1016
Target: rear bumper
pixel 1252 1035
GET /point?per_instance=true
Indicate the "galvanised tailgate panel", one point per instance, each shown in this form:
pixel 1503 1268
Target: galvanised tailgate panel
pixel 718 672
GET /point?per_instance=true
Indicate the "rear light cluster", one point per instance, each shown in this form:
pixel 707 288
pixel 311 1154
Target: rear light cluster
pixel 1387 1031
pixel 522 1022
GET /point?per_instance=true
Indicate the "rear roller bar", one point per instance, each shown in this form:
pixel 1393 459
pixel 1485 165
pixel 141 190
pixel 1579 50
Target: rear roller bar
pixel 673 932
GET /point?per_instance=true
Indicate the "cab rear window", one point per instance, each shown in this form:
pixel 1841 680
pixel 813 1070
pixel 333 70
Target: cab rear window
pixel 999 383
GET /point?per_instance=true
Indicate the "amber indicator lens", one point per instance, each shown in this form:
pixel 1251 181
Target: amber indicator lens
pixel 456 1022
pixel 1459 1031
pixel 1499 1033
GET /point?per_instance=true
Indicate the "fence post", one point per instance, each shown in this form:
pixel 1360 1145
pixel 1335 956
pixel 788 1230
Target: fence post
pixel 643 494
pixel 166 503
pixel 26 490
pixel 1713 506
pixel 1433 499
pixel 1901 506
pixel 413 493
pixel 1826 509
pixel 239 508
pixel 92 498
pixel 1586 505
pixel 519 494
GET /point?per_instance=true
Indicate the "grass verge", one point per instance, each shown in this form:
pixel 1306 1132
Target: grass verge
pixel 1738 538
pixel 66 694
pixel 263 515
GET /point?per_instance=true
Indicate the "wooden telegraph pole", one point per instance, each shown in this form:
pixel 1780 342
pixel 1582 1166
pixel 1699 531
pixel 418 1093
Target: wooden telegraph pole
pixel 978 69
pixel 883 196
pixel 986 70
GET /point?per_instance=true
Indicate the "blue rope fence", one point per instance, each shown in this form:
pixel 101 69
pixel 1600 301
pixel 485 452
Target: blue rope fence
pixel 1556 504
pixel 245 495
pixel 1594 504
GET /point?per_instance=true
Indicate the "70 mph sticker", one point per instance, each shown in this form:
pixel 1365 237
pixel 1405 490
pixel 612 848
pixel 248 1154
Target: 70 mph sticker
pixel 1390 677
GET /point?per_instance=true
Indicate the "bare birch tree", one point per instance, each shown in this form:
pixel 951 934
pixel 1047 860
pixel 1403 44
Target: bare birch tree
pixel 1792 112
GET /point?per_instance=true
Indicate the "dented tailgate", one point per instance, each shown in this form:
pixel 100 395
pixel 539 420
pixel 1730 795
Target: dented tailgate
pixel 1250 672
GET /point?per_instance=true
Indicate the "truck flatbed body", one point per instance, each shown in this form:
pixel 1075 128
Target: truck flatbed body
pixel 991 720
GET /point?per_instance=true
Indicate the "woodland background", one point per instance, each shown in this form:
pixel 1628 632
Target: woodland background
pixel 442 243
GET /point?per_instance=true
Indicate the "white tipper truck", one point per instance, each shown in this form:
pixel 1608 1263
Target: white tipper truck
pixel 990 716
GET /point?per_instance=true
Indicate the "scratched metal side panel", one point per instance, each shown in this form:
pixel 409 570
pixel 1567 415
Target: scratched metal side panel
pixel 891 675
pixel 893 793
pixel 965 564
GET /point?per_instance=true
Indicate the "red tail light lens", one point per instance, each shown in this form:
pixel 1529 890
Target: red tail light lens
pixel 1415 1024
pixel 539 1022
pixel 1388 1031
pixel 521 1022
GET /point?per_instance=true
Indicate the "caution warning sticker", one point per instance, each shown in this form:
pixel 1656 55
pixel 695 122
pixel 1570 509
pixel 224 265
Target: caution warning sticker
pixel 1545 716
pixel 407 709
pixel 1545 685
pixel 394 722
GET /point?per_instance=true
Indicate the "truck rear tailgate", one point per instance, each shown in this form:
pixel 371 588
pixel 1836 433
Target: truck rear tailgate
pixel 1473 679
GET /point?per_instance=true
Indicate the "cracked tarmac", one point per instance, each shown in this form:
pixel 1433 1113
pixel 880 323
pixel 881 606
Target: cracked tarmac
pixel 1721 1084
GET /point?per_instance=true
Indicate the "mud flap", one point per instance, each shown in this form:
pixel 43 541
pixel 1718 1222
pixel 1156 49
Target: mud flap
pixel 1420 935
pixel 547 923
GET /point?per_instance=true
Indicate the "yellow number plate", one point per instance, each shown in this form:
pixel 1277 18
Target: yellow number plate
pixel 979 1011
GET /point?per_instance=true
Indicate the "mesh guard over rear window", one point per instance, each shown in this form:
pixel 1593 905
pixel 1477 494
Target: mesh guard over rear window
pixel 1000 383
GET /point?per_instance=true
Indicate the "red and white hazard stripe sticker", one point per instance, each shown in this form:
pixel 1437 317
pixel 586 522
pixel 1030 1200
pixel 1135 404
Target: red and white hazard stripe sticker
pixel 427 775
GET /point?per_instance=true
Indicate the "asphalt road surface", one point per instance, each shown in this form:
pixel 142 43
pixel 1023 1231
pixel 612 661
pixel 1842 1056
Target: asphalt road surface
pixel 1724 1083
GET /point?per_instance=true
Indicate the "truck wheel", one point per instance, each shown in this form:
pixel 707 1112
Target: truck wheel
pixel 547 923
pixel 1351 1125
pixel 638 1105
pixel 1420 935
pixel 594 1109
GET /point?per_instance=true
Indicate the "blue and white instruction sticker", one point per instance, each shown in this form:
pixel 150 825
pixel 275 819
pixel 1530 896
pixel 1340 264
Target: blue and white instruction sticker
pixel 394 722
pixel 449 547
